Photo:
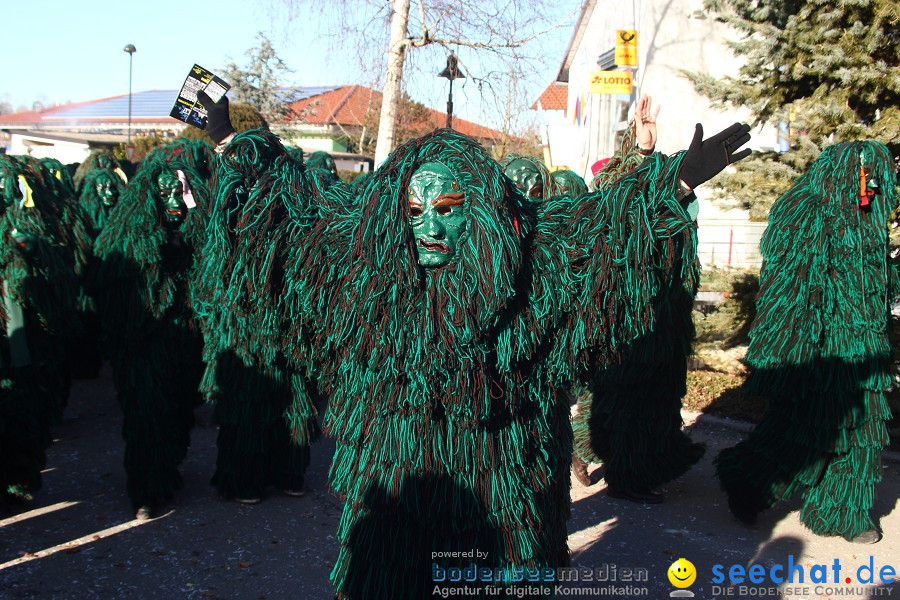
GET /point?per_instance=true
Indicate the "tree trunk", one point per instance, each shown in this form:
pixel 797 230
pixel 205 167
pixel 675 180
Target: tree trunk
pixel 391 95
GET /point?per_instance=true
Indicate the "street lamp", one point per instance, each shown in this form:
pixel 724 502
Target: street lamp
pixel 451 72
pixel 130 49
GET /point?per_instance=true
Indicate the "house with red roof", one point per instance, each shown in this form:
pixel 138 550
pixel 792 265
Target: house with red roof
pixel 328 120
pixel 325 118
pixel 554 98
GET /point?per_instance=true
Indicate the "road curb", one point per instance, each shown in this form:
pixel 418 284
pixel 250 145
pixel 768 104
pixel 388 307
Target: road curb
pixel 700 418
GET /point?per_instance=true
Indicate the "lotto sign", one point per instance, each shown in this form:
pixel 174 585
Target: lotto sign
pixel 611 82
pixel 626 47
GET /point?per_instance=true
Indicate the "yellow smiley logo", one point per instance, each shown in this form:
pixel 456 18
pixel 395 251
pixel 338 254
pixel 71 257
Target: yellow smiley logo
pixel 682 573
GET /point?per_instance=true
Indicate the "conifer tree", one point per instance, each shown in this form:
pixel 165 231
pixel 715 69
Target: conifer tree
pixel 829 68
pixel 260 82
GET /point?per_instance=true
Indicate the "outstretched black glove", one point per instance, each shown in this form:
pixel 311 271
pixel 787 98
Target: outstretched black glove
pixel 218 122
pixel 706 158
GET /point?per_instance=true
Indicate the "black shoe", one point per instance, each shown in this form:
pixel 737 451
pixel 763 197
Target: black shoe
pixel 579 467
pixel 742 513
pixel 872 536
pixel 648 497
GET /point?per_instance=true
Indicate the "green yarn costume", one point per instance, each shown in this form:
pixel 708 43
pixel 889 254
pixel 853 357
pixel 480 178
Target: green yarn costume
pixel 531 176
pixel 37 310
pixel 265 409
pixel 69 229
pixel 98 159
pixel 143 285
pixel 819 348
pixel 321 161
pixel 59 171
pixel 82 353
pixel 626 159
pixel 446 385
pixel 569 183
pixel 295 152
pixel 630 419
pixel 96 210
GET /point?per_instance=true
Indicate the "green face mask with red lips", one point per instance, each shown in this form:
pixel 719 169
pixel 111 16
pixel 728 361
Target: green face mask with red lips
pixel 170 193
pixel 437 214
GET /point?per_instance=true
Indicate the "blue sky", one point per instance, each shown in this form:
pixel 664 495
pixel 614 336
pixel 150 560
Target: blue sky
pixel 61 50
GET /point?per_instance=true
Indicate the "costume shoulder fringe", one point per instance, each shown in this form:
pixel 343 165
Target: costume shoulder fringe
pixel 600 261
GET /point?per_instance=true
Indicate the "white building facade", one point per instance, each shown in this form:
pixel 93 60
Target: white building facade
pixel 673 36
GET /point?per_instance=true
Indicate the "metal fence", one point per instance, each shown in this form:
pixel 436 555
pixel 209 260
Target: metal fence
pixel 731 243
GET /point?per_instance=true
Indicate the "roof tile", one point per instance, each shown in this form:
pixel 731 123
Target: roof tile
pixel 555 97
pixel 348 106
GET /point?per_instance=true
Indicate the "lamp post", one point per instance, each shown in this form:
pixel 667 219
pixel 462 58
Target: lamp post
pixel 130 49
pixel 451 72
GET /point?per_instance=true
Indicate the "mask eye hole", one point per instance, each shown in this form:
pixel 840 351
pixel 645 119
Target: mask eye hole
pixel 415 211
pixel 444 210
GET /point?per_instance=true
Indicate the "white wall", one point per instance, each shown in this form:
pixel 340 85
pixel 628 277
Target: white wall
pixel 314 143
pixel 670 39
pixel 64 152
pixel 345 164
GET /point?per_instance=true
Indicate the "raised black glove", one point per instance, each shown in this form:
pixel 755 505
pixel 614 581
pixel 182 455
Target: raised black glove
pixel 218 122
pixel 706 158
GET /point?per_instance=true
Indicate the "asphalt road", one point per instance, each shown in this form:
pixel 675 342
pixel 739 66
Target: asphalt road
pixel 77 539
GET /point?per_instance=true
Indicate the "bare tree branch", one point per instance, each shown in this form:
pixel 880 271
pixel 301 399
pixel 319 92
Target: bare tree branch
pixel 504 30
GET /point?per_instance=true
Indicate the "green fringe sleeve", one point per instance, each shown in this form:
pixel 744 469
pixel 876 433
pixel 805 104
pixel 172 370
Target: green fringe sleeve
pixel 599 261
pixel 626 159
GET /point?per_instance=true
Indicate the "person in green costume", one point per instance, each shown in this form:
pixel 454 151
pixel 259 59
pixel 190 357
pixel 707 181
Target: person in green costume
pixel 61 173
pixel 630 417
pixel 38 289
pixel 57 204
pixel 145 269
pixel 446 323
pixel 265 409
pixel 100 192
pixel 320 166
pixel 819 348
pixel 98 159
pixel 99 195
pixel 569 183
pixel 359 183
pixel 531 176
pixel 322 161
